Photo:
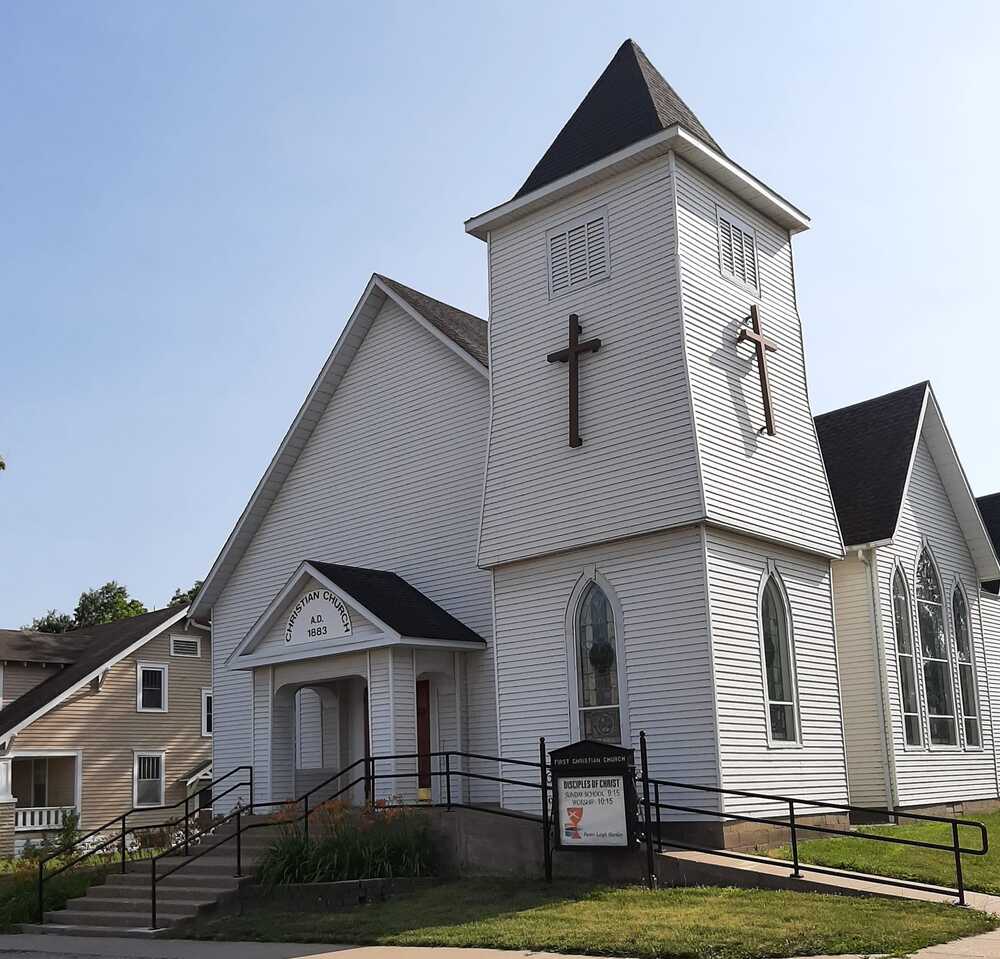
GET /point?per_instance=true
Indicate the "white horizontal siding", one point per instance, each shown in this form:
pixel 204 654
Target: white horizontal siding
pixel 989 608
pixel 815 770
pixel 660 584
pixel 926 776
pixel 636 470
pixel 860 683
pixel 391 478
pixel 770 486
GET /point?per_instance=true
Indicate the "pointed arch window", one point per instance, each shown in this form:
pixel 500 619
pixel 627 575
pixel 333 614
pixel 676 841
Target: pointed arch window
pixel 597 659
pixel 906 661
pixel 966 668
pixel 935 655
pixel 779 667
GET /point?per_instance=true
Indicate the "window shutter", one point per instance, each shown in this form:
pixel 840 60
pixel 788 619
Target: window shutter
pixel 578 254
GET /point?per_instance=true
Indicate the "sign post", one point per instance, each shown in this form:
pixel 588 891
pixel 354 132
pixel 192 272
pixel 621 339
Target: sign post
pixel 594 801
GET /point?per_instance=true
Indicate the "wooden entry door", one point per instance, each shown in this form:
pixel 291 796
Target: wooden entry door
pixel 424 734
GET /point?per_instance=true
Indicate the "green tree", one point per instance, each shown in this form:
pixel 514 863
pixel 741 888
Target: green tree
pixel 105 604
pixel 185 595
pixel 52 622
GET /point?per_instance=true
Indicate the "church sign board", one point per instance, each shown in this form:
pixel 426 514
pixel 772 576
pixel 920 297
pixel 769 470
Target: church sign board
pixel 319 614
pixel 594 791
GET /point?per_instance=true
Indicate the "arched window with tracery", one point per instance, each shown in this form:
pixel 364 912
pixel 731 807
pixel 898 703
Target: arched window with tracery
pixel 597 659
pixel 779 666
pixel 966 668
pixel 935 655
pixel 906 661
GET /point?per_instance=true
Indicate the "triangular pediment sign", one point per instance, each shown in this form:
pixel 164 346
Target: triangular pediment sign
pixel 310 610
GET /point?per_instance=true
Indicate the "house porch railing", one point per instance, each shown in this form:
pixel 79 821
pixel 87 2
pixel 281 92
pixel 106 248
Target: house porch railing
pixel 37 818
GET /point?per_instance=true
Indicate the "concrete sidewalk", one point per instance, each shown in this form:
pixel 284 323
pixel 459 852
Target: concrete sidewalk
pixel 77 947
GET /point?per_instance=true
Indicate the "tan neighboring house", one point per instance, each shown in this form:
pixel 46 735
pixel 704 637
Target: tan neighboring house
pixel 102 720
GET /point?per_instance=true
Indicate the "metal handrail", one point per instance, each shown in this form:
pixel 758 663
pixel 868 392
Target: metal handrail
pixel 370 776
pixel 794 825
pixel 125 831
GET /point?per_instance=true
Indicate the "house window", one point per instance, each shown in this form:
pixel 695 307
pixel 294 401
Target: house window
pixel 966 668
pixel 935 656
pixel 206 712
pixel 185 646
pixel 597 653
pixel 906 661
pixel 578 253
pixel 738 250
pixel 151 695
pixel 779 668
pixel 148 779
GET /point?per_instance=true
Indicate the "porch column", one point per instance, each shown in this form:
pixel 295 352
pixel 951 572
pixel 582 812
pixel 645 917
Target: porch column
pixel 7 803
pixel 393 707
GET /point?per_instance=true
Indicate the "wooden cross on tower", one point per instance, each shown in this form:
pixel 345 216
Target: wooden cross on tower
pixel 571 355
pixel 763 346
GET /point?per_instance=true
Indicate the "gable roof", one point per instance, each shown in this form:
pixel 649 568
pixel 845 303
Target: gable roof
pixel 463 333
pixel 33 646
pixel 98 648
pixel 989 509
pixel 869 449
pixel 398 611
pixel 629 102
pixel 398 604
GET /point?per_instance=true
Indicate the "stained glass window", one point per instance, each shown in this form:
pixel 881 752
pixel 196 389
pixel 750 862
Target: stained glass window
pixel 934 652
pixel 778 665
pixel 906 662
pixel 966 668
pixel 600 713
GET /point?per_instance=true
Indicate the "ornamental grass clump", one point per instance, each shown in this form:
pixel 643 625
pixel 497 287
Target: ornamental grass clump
pixel 378 842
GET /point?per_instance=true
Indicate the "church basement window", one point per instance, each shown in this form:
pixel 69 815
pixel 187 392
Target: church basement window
pixel 779 667
pixel 966 669
pixel 906 661
pixel 738 249
pixel 600 711
pixel 935 654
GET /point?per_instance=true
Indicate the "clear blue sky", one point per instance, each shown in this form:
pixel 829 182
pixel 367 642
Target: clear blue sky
pixel 194 194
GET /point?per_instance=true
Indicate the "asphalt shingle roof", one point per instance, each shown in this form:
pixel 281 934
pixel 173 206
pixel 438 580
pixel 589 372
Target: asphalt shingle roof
pixel 989 509
pixel 867 449
pixel 629 102
pixel 94 646
pixel 398 604
pixel 468 331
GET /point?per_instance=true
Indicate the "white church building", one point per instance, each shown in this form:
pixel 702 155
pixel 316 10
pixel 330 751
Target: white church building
pixel 610 510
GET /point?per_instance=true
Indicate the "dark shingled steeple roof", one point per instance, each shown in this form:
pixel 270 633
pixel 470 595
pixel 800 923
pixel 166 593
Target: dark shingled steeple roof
pixel 629 102
pixel 867 449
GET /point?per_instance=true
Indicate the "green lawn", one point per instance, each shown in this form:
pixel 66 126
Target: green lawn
pixel 982 873
pixel 702 923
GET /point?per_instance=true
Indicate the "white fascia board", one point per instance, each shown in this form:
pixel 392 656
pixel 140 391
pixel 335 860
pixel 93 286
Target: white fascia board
pixel 756 193
pixel 80 683
pixel 446 341
pixel 959 492
pixel 280 602
pixel 282 461
pixel 322 650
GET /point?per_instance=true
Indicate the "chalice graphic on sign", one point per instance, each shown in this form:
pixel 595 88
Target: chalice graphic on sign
pixel 573 815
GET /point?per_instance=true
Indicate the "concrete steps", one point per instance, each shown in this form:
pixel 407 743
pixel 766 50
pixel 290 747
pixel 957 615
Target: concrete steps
pixel 121 905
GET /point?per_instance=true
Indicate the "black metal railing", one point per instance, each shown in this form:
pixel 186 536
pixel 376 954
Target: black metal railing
pixel 652 831
pixel 369 775
pixel 122 830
